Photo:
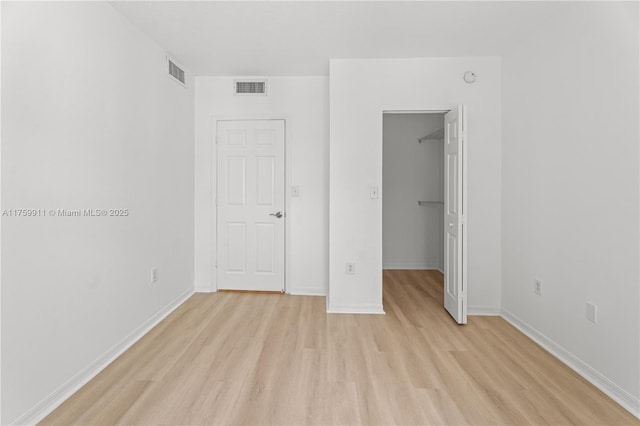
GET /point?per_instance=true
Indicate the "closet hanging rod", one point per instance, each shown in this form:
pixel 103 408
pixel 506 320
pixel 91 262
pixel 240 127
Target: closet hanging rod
pixel 429 203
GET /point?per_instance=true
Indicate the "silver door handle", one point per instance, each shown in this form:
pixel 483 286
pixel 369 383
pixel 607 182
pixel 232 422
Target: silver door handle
pixel 277 214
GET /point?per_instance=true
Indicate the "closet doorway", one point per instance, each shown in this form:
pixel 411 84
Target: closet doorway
pixel 423 203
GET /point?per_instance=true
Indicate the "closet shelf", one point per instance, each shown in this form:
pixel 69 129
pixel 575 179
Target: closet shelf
pixel 438 135
pixel 429 203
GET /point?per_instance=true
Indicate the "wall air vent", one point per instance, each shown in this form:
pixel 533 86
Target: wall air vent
pixel 250 87
pixel 176 72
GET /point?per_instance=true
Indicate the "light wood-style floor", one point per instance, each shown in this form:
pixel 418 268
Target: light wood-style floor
pixel 230 358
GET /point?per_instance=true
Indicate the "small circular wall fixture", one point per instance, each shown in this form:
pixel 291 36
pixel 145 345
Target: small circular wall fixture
pixel 470 77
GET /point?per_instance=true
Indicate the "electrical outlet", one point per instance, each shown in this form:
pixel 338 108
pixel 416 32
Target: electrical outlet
pixel 592 312
pixel 154 275
pixel 537 287
pixel 350 268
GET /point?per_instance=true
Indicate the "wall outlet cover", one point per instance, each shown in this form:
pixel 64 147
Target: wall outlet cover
pixel 350 268
pixel 537 287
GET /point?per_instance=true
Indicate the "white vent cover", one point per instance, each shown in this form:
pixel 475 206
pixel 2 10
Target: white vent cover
pixel 250 87
pixel 176 72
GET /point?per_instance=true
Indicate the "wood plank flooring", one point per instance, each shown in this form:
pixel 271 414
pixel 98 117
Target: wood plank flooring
pixel 245 359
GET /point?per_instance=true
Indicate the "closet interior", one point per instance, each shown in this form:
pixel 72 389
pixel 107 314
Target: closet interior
pixel 413 189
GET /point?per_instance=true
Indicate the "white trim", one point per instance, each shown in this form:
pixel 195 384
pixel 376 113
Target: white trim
pixel 413 266
pixel 77 381
pixel 593 376
pixel 415 111
pixel 288 155
pixel 301 291
pixel 0 240
pixel 204 289
pixel 355 309
pixel 480 310
pixel 464 212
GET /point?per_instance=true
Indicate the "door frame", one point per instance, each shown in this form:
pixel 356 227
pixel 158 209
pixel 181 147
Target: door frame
pixel 214 189
pixel 465 160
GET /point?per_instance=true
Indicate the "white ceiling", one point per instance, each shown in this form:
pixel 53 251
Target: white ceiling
pixel 299 37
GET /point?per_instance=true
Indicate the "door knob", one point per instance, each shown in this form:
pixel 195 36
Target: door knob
pixel 276 214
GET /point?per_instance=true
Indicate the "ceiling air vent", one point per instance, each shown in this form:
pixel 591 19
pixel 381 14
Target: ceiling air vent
pixel 176 72
pixel 250 87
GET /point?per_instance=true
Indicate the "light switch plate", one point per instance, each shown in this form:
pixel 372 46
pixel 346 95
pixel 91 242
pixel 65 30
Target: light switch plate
pixel 592 312
pixel 374 192
pixel 295 191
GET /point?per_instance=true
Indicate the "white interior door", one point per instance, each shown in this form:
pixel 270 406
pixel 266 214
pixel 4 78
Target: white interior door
pixel 455 262
pixel 250 205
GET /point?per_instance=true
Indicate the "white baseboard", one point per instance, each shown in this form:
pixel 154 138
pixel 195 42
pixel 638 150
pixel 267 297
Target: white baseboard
pixel 412 266
pixel 294 291
pixel 493 311
pixel 308 292
pixel 615 392
pixel 71 386
pixel 355 309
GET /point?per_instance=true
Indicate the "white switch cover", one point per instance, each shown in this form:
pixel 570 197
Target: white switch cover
pixel 295 191
pixel 592 312
pixel 374 192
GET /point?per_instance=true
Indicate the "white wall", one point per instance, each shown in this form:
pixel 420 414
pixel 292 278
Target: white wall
pixel 360 90
pixel 570 189
pixel 90 120
pixel 412 235
pixel 303 101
